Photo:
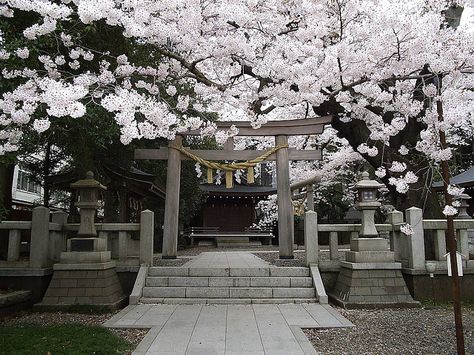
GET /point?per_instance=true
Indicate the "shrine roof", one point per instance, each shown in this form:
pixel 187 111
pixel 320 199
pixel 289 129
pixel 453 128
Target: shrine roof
pixel 465 179
pixel 242 190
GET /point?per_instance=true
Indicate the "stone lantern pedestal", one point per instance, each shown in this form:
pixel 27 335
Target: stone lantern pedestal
pixel 85 274
pixel 370 277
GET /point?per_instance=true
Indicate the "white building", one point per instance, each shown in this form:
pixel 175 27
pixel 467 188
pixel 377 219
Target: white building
pixel 25 192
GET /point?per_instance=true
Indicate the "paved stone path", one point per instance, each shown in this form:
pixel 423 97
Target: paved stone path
pixel 258 329
pixel 253 329
pixel 226 260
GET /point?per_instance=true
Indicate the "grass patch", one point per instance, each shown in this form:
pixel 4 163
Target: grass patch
pixel 71 339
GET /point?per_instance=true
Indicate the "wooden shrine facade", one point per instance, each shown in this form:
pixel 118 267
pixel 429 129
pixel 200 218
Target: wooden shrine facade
pixel 280 130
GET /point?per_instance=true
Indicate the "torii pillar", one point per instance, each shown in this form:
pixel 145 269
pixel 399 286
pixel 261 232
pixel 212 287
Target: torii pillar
pixel 280 130
pixel 173 179
pixel 285 207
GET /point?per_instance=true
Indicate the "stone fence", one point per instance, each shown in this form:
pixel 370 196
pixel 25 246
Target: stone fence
pixel 409 250
pixel 131 244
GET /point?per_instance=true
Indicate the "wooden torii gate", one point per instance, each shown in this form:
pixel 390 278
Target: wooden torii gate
pixel 280 130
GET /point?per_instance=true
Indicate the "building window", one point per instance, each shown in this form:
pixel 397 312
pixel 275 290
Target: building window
pixel 25 183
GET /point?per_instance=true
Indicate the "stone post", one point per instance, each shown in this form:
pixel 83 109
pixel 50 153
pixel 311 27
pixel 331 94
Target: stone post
pixel 440 244
pixel 285 207
pixel 39 237
pixel 463 243
pixel 57 239
pixel 147 232
pixel 123 245
pixel 173 179
pixel 333 246
pixel 463 234
pixel 105 236
pixel 311 237
pixel 310 197
pixel 395 218
pixel 14 240
pixel 416 242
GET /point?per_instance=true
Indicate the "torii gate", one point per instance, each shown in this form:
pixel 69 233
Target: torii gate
pixel 280 130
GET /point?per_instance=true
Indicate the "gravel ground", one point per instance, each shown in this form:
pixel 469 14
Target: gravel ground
pixel 272 258
pixel 299 260
pixel 192 251
pixel 395 331
pixel 134 336
pixel 264 249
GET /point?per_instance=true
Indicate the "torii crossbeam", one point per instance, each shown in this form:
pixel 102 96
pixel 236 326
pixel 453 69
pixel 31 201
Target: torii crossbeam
pixel 280 130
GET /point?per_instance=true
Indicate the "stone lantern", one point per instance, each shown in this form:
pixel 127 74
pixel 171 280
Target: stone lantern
pixel 367 193
pixel 463 208
pixel 88 203
pixel 88 191
pixel 368 247
pixel 85 274
pixel 370 275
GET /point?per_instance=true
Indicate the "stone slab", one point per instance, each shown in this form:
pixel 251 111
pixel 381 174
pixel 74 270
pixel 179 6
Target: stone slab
pixel 168 271
pixel 209 334
pixel 370 256
pixel 208 271
pixel 241 325
pixel 79 257
pixel 189 281
pixel 207 292
pixel 250 292
pixel 369 244
pixel 249 272
pixel 86 266
pixel 301 282
pixel 319 288
pixel 293 292
pixel 158 281
pixel 270 282
pixel 371 266
pixel 229 281
pixel 289 271
pixel 164 292
pixel 140 281
pixel 176 333
pixel 24 271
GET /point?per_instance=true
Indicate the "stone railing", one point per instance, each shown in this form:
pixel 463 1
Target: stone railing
pixel 129 243
pixel 352 228
pixel 409 250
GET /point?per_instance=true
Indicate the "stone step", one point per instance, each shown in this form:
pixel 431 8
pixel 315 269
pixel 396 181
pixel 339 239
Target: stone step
pixel 228 281
pixel 150 300
pixel 222 272
pixel 228 292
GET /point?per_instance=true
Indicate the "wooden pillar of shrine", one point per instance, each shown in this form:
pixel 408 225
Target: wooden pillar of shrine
pixel 285 207
pixel 173 179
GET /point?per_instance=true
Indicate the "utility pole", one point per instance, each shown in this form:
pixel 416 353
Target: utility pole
pixel 450 234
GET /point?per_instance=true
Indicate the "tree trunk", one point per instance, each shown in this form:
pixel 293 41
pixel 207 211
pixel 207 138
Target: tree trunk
pixel 6 184
pixel 356 132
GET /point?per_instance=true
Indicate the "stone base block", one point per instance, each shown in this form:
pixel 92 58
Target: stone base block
pixel 370 256
pixel 79 257
pixel 371 288
pixel 98 286
pixel 369 244
pixel 86 244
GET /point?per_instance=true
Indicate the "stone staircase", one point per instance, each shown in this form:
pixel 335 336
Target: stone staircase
pixel 228 285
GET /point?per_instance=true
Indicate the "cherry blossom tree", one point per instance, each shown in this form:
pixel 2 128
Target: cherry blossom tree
pixel 375 66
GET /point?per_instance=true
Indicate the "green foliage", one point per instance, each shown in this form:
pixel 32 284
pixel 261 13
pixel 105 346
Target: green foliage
pixel 71 339
pixel 331 204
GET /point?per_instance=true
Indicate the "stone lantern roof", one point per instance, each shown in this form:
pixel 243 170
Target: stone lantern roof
pixel 366 183
pixel 88 182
